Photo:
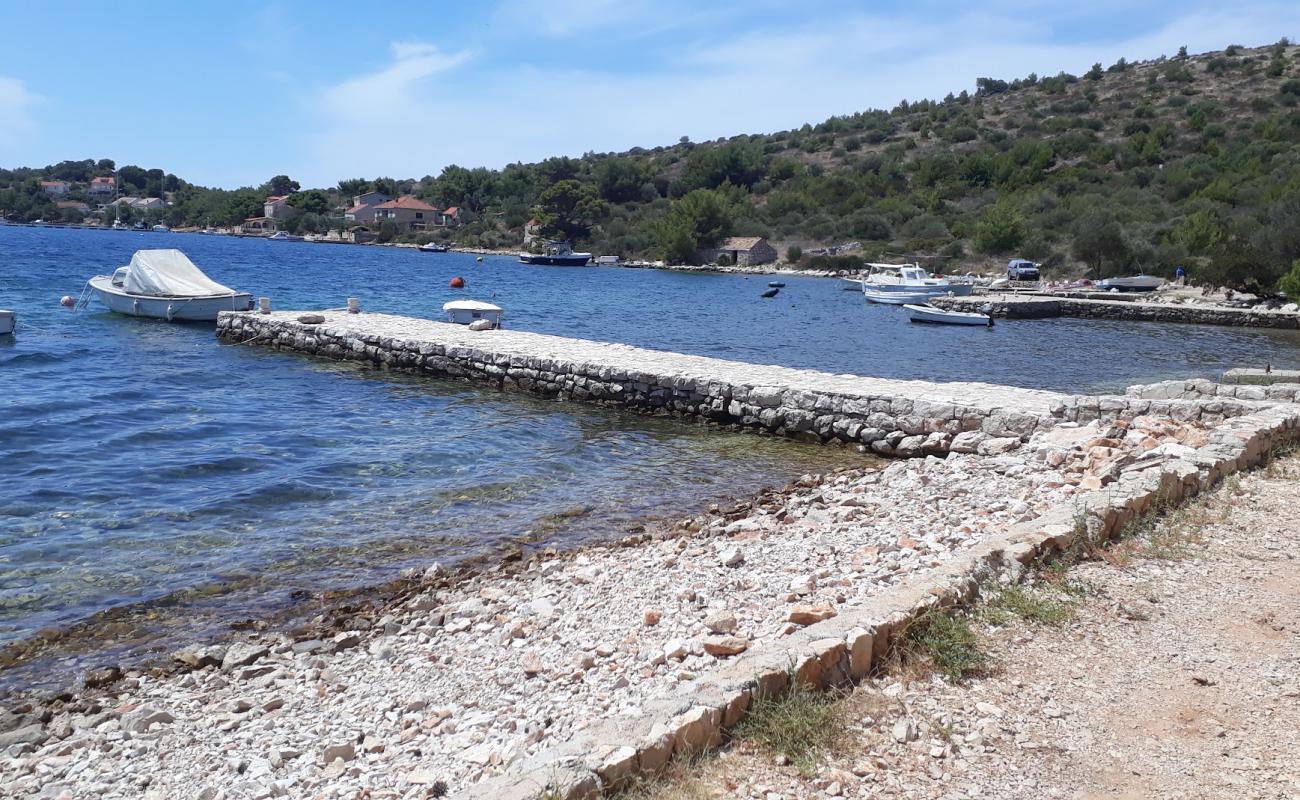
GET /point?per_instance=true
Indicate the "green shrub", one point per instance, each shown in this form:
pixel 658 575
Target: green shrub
pixel 1289 285
pixel 793 253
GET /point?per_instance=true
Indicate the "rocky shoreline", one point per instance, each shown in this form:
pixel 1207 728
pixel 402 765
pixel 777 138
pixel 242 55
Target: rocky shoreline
pixel 466 674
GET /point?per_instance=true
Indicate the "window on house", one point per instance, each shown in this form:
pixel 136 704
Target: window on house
pixel 419 215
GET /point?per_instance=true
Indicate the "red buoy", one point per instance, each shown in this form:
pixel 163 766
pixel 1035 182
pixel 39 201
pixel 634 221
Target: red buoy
pixel 458 282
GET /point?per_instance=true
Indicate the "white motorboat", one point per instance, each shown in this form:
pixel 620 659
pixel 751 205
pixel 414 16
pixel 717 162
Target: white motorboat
pixel 939 316
pixel 8 320
pixel 556 254
pixel 897 298
pixel 909 278
pixel 281 236
pixel 1135 283
pixel 432 247
pixel 467 312
pixel 165 284
pixel 161 229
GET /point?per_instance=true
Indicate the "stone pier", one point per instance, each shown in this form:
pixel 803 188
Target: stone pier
pixel 1133 310
pixel 892 417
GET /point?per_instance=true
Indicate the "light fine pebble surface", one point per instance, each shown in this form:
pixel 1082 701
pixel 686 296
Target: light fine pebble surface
pixel 460 682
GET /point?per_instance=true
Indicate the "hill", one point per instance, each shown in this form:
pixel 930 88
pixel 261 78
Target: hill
pixel 1187 160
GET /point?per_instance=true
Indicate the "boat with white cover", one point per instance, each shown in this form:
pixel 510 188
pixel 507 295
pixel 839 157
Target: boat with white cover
pixel 909 278
pixel 939 316
pixel 896 298
pixel 165 284
pixel 1136 283
pixel 8 320
pixel 467 312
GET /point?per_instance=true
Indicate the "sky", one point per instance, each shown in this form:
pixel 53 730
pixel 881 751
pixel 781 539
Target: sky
pixel 231 93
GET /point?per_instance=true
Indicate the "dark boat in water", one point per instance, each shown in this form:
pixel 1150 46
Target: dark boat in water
pixel 556 254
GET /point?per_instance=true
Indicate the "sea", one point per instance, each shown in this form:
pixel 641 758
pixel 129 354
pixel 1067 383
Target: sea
pixel 159 487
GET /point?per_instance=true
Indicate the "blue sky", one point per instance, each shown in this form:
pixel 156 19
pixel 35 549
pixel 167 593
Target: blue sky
pixel 230 93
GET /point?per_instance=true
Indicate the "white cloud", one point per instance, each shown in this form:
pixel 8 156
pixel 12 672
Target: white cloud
pixel 16 103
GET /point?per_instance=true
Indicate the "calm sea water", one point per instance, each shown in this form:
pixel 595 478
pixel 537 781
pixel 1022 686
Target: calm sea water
pixel 156 483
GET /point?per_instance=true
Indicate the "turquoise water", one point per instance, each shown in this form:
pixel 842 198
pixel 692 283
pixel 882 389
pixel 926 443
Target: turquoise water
pixel 157 483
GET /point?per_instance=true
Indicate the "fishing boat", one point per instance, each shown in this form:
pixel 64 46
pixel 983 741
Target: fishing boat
pixel 8 320
pixel 165 284
pixel 556 254
pixel 896 298
pixel 1135 283
pixel 939 316
pixel 467 312
pixel 432 247
pixel 909 278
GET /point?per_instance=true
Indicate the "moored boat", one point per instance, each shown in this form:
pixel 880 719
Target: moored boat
pixel 8 320
pixel 1134 283
pixel 896 298
pixel 281 236
pixel 939 316
pixel 909 278
pixel 468 312
pixel 165 284
pixel 432 247
pixel 556 254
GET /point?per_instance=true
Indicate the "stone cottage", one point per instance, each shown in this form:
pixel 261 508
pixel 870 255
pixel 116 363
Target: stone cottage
pixel 744 251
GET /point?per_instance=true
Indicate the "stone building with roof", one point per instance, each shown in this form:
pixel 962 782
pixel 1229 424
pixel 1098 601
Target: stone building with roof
pixel 743 251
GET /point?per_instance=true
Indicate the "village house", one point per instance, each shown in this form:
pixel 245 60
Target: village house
pixel 363 207
pixel 408 212
pixel 102 186
pixel 278 208
pixel 450 218
pixel 744 251
pixel 55 188
pixel 75 205
pixel 140 203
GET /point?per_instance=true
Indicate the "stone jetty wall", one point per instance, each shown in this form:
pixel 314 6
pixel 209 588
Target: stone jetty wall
pixel 1238 397
pixel 1019 307
pixel 892 417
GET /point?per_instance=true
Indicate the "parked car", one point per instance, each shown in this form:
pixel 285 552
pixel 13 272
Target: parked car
pixel 1019 269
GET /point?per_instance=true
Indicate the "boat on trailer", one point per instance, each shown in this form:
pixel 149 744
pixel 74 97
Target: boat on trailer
pixel 940 316
pixel 165 284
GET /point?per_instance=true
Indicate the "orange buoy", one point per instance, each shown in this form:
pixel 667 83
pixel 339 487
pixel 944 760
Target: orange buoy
pixel 458 282
pixel 67 301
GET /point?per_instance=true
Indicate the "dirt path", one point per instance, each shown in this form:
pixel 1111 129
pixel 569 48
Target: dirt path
pixel 1175 675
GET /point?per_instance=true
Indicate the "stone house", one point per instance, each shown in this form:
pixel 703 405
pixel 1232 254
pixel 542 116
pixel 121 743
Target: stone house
pixel 744 251
pixel 55 188
pixel 363 207
pixel 102 186
pixel 408 212
pixel 279 208
pixel 75 205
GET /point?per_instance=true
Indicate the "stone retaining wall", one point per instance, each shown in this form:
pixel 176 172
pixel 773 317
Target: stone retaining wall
pixel 845 648
pixel 1246 395
pixel 903 418
pixel 1130 310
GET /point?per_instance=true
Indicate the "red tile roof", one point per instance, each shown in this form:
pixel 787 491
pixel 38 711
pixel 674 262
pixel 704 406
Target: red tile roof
pixel 54 183
pixel 408 202
pixel 453 211
pixel 103 179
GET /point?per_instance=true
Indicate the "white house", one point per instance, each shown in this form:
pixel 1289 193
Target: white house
pixel 102 186
pixel 363 207
pixel 278 208
pixel 55 188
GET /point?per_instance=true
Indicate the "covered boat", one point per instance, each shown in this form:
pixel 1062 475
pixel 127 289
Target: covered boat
pixel 165 284
pixel 8 320
pixel 467 312
pixel 939 316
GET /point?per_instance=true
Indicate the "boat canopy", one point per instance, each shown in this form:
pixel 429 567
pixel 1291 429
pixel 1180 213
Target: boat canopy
pixel 168 273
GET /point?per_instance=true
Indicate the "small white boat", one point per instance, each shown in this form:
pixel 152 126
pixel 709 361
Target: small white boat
pixel 1136 283
pixel 432 247
pixel 8 320
pixel 939 316
pixel 160 229
pixel 896 298
pixel 281 236
pixel 467 312
pixel 165 284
